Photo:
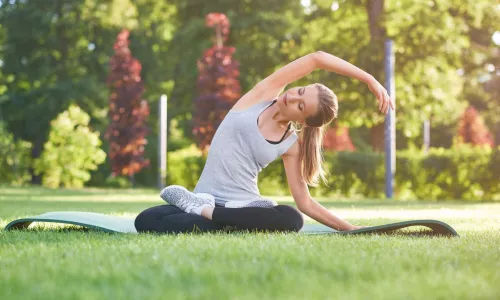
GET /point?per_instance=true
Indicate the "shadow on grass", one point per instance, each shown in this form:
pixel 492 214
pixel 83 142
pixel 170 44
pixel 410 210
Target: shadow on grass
pixel 62 229
pixel 74 229
pixel 69 229
pixel 416 233
pixel 34 191
pixel 12 209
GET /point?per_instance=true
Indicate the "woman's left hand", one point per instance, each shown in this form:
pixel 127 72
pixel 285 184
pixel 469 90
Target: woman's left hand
pixel 385 102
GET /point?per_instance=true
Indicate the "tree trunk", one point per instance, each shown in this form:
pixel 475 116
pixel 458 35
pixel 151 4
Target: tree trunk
pixel 377 137
pixel 132 180
pixel 36 151
pixel 375 10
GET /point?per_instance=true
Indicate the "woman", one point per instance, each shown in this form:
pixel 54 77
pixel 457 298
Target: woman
pixel 254 133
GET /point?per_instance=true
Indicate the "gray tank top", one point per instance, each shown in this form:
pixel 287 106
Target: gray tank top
pixel 237 154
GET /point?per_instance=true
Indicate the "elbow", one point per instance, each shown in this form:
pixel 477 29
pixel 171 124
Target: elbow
pixel 304 206
pixel 318 58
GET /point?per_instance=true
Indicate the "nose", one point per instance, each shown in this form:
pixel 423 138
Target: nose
pixel 292 99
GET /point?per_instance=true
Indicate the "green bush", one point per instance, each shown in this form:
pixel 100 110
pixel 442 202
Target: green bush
pixel 468 173
pixel 184 166
pixel 118 182
pixel 15 159
pixel 70 152
pixel 464 172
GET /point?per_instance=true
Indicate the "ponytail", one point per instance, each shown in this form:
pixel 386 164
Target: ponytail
pixel 311 138
pixel 310 155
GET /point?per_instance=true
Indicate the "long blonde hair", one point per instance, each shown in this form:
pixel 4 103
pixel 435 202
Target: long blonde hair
pixel 312 133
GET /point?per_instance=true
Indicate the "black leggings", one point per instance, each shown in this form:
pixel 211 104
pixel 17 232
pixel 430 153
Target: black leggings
pixel 171 219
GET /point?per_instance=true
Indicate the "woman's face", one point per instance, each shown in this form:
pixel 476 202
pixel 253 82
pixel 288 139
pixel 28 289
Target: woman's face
pixel 299 103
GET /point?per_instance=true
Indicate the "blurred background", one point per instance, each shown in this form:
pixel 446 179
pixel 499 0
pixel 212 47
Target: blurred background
pixel 81 81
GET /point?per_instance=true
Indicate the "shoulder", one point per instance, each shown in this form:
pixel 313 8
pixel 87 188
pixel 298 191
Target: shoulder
pixel 293 151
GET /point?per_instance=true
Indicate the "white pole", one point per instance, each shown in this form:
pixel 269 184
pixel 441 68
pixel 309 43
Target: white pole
pixel 162 143
pixel 427 135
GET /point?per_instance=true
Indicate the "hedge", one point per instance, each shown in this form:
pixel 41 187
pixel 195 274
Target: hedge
pixel 462 173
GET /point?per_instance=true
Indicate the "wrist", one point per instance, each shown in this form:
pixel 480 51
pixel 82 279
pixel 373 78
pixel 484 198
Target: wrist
pixel 369 79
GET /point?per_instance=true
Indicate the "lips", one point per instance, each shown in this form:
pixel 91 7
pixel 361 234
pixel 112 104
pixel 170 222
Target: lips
pixel 284 100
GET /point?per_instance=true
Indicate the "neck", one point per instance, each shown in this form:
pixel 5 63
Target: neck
pixel 279 118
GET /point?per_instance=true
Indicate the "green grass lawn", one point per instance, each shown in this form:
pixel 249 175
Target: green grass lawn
pixel 70 263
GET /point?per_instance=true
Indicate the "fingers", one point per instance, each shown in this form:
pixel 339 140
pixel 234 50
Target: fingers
pixel 388 104
pixel 392 104
pixel 384 107
pixel 385 102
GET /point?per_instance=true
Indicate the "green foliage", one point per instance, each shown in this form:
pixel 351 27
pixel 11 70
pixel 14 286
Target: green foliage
pixel 128 111
pixel 184 166
pixel 218 84
pixel 55 53
pixel 15 158
pixel 465 172
pixel 258 28
pixel 117 182
pixel 70 152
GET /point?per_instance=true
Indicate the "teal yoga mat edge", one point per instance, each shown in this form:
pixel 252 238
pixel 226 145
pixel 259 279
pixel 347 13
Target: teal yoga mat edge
pixel 99 221
pixel 25 222
pixel 437 226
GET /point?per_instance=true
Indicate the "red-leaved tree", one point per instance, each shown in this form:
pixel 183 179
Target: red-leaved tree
pixel 338 139
pixel 128 111
pixel 472 130
pixel 218 84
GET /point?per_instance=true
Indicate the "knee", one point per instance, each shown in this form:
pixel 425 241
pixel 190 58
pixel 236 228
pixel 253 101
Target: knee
pixel 292 218
pixel 149 219
pixel 142 220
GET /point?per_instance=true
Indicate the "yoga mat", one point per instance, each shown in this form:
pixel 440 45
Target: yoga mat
pixel 112 224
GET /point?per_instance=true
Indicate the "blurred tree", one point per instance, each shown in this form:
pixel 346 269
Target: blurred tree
pixel 55 53
pixel 429 40
pixel 259 28
pixel 338 139
pixel 70 152
pixel 471 129
pixel 15 158
pixel 128 111
pixel 218 84
pixel 481 63
pixel 152 24
pixel 52 55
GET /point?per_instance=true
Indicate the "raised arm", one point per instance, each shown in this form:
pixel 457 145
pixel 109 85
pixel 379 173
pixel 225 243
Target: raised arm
pixel 332 63
pixel 317 60
pixel 270 87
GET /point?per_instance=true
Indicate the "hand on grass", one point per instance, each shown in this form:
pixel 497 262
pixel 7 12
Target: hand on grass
pixel 356 227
